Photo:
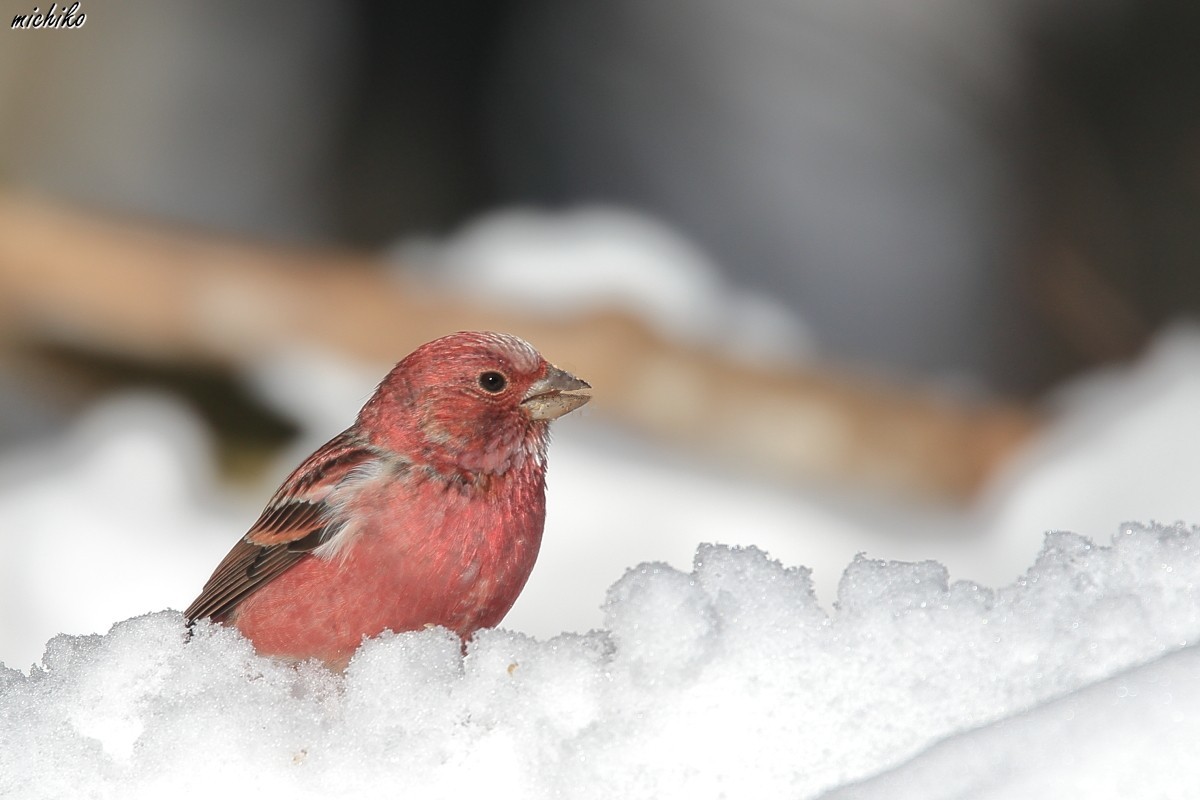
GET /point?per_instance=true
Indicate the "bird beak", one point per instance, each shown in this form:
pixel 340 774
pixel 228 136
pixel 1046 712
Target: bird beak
pixel 557 393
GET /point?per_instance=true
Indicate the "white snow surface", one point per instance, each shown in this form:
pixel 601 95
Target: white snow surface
pixel 1133 735
pixel 727 680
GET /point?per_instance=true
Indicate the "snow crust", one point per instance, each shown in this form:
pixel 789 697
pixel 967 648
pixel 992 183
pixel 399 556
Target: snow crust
pixel 1133 735
pixel 728 680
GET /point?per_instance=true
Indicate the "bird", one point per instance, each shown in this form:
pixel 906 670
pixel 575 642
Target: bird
pixel 427 511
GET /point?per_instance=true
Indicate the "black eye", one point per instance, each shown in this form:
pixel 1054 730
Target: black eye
pixel 492 382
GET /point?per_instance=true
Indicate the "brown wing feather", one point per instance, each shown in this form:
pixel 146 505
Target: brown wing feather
pixel 240 574
pixel 299 504
pixel 295 521
pixel 283 523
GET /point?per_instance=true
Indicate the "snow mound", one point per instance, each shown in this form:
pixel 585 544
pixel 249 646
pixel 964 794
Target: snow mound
pixel 730 680
pixel 106 520
pixel 595 258
pixel 1133 735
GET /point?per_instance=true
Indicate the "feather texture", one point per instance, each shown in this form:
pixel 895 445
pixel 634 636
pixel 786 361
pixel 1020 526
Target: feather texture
pixel 297 520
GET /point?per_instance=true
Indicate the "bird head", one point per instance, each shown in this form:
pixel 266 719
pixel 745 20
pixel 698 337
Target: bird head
pixel 477 401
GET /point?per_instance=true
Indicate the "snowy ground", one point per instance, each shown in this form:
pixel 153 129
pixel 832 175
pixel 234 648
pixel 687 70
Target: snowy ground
pixel 687 670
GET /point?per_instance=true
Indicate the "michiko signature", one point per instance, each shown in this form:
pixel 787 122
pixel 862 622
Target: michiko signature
pixel 54 18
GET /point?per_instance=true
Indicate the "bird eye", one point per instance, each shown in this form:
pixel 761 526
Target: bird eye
pixel 492 382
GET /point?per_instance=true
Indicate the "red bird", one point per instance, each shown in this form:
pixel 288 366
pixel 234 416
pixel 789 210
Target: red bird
pixel 428 510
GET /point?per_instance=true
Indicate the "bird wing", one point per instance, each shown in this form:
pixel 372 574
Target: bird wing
pixel 296 520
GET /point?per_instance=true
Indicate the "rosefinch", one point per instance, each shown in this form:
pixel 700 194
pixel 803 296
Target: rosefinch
pixel 428 510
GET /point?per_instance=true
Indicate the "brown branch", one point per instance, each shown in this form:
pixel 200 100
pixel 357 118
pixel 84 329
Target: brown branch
pixel 142 290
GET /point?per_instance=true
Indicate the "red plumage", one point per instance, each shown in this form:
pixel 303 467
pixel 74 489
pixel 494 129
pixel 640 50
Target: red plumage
pixel 428 510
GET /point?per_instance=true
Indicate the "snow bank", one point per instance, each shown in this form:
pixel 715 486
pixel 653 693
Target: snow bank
pixel 596 258
pixel 118 515
pixel 1130 736
pixel 729 680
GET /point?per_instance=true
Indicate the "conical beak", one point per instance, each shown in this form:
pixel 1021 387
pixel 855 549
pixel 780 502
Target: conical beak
pixel 557 393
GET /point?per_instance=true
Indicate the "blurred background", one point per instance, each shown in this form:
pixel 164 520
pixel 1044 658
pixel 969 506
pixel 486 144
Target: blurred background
pixel 905 278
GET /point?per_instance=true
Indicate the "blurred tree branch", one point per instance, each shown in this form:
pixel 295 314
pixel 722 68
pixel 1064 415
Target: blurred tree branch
pixel 142 290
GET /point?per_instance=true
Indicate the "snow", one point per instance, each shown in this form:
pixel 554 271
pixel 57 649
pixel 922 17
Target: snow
pixel 597 258
pixel 728 680
pixel 1129 737
pixel 1133 735
pixel 686 633
pixel 106 521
